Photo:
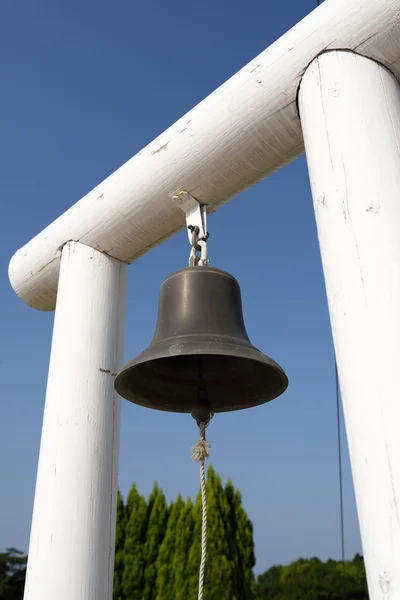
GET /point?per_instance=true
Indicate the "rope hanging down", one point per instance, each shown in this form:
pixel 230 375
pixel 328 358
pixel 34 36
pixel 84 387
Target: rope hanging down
pixel 200 452
pixel 339 442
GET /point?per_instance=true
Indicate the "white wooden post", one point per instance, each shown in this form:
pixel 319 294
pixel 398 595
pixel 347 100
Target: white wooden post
pixel 71 552
pixel 350 114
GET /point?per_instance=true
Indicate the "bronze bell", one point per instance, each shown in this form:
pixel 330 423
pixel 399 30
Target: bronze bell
pixel 200 357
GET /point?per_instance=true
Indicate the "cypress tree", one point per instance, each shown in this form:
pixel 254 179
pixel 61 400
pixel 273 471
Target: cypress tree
pixel 242 546
pixel 134 563
pixel 219 573
pixel 157 515
pixel 193 564
pixel 165 580
pixel 119 548
pixel 183 543
pixel 220 568
pixel 162 547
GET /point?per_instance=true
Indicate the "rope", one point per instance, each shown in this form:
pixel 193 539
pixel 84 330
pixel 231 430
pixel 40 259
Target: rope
pixel 200 452
pixel 340 465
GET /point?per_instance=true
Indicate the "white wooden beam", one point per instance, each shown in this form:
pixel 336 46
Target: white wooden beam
pixel 71 551
pixel 350 114
pixel 242 132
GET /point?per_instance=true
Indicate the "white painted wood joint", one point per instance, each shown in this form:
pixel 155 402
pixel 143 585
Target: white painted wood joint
pixel 245 130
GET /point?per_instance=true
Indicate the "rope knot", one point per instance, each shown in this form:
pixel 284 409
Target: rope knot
pixel 201 451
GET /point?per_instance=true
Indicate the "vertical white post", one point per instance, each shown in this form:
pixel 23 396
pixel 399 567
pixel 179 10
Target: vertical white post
pixel 350 114
pixel 71 552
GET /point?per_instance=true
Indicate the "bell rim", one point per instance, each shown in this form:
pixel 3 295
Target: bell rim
pixel 216 347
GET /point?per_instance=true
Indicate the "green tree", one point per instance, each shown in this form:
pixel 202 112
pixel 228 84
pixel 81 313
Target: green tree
pixel 313 579
pixel 194 556
pixel 157 516
pixel 270 585
pixel 119 548
pixel 183 543
pixel 220 573
pixel 220 567
pixel 241 545
pixel 133 556
pixel 165 581
pixel 12 574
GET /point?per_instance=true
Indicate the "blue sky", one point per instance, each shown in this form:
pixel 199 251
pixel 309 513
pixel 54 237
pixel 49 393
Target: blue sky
pixel 85 85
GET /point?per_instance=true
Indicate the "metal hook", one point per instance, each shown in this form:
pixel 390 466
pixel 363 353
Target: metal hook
pixel 203 262
pixel 196 223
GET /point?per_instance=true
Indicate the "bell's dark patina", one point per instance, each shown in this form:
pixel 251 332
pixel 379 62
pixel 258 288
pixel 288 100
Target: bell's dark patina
pixel 200 357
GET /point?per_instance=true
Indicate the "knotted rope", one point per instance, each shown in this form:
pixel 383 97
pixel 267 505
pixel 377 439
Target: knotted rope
pixel 200 452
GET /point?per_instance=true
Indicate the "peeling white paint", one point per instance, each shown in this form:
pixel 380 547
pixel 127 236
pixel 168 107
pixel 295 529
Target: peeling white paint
pixel 385 581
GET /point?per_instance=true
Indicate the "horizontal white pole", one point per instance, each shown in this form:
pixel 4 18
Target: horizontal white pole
pixel 245 130
pixel 350 110
pixel 71 551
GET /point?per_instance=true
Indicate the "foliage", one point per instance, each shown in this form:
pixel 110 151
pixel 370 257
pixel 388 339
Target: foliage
pixel 313 579
pixel 241 535
pixel 183 541
pixel 220 568
pixel 12 574
pixel 134 546
pixel 165 580
pixel 158 551
pixel 162 547
pixel 157 515
pixel 119 548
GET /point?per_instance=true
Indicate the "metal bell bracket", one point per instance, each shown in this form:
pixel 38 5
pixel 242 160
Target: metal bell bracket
pixel 196 223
